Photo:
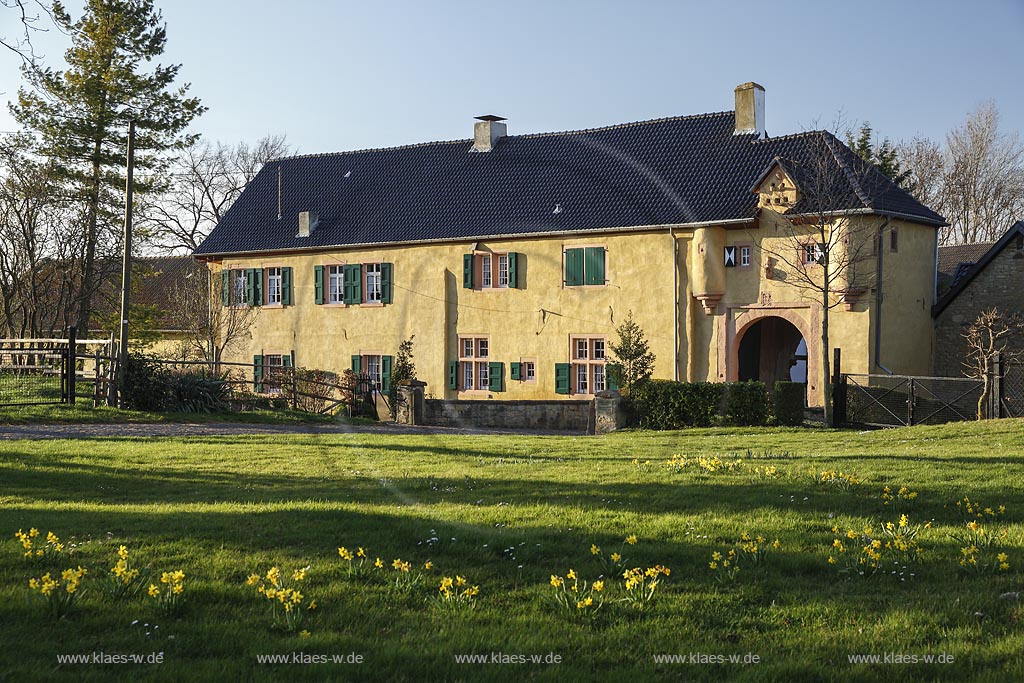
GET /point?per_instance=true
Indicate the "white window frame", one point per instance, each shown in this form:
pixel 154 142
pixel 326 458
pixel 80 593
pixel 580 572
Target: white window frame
pixel 745 251
pixel 272 363
pixel 372 365
pixel 812 253
pixel 502 270
pixel 582 377
pixel 335 284
pixel 589 362
pixel 239 288
pixel 372 283
pixel 483 376
pixel 274 286
pixel 485 272
pixel 474 352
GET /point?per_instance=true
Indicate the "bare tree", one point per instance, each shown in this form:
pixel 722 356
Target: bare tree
pixel 824 245
pixel 31 15
pixel 207 179
pixel 992 333
pixel 976 182
pixel 210 327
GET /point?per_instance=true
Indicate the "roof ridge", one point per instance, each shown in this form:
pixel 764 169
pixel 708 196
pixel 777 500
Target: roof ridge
pixel 614 126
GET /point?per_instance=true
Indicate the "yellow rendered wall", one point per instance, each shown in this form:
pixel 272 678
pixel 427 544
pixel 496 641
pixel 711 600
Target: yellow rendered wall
pixel 534 321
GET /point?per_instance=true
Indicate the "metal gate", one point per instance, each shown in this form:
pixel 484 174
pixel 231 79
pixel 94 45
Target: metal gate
pixel 1012 398
pixel 903 400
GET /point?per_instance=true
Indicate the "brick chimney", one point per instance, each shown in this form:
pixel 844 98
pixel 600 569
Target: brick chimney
pixel 750 110
pixel 486 131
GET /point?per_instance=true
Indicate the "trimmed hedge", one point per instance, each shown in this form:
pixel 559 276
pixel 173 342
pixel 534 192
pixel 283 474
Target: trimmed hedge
pixel 663 404
pixel 789 403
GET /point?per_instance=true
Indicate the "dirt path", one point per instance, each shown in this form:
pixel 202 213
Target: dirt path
pixel 165 429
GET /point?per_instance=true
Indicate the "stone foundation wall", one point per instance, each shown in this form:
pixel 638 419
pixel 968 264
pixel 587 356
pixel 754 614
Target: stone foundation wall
pixel 572 416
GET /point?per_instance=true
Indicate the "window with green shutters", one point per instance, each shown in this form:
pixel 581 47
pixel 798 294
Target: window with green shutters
pixel 286 286
pixel 353 285
pixel 498 270
pixel 242 287
pixel 585 266
pixel 495 376
pixel 318 284
pixel 515 371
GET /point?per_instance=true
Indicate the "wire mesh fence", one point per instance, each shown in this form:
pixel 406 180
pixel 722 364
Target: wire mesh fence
pixel 899 400
pixel 32 372
pixel 1013 390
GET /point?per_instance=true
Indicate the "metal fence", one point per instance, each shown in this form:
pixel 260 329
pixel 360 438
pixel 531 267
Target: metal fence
pixel 902 400
pixel 33 371
pixel 1012 385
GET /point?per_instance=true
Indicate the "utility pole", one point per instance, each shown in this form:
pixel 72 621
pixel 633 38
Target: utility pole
pixel 126 267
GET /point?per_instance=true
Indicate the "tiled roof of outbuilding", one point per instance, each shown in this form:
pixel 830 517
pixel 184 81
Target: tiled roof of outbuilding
pixel 671 171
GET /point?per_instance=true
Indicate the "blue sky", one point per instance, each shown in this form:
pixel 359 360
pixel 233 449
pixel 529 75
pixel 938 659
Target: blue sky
pixel 346 75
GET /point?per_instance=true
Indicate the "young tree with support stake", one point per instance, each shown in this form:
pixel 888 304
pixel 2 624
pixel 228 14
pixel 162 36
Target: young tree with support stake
pixel 992 335
pixel 825 246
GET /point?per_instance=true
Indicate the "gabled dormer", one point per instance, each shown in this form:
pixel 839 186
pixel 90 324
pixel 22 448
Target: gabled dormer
pixel 775 188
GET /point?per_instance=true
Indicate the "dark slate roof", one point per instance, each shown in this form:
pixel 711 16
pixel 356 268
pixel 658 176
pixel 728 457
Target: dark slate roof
pixel 671 171
pixel 953 255
pixel 1016 231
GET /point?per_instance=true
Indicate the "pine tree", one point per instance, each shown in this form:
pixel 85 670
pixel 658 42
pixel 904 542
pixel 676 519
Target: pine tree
pixel 882 156
pixel 633 354
pixel 81 114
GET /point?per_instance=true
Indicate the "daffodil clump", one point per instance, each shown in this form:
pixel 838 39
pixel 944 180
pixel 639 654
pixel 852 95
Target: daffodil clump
pixel 843 481
pixel 768 472
pixel 124 581
pixel 454 593
pixel 979 552
pixel 642 465
pixel 970 510
pixel 404 577
pixel 355 562
pixel 288 606
pixel 725 567
pixel 641 586
pixel 901 499
pixel 704 464
pixel 169 594
pixel 866 552
pixel 613 564
pixel 59 594
pixel 50 551
pixel 753 549
pixel 576 598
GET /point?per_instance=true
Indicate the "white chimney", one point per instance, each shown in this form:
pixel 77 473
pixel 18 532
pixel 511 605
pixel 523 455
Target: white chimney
pixel 307 223
pixel 750 110
pixel 486 132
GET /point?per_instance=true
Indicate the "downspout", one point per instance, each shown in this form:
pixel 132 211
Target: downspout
pixel 878 299
pixel 675 304
pixel 691 326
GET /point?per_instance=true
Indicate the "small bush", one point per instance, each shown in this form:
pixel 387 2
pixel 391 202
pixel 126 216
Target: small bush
pixel 197 392
pixel 789 403
pixel 746 404
pixel 145 383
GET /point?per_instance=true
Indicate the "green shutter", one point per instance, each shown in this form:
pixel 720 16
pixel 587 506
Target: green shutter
pixel 494 376
pixel 467 271
pixel 357 362
pixel 573 267
pixel 352 279
pixel 515 371
pixel 318 284
pixel 225 288
pixel 562 378
pixel 595 265
pixel 513 269
pixel 286 286
pixel 385 372
pixel 453 374
pixel 286 360
pixel 257 374
pixel 257 287
pixel 612 376
pixel 250 286
pixel 386 276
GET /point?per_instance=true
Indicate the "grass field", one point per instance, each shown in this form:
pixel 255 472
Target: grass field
pixel 83 413
pixel 508 512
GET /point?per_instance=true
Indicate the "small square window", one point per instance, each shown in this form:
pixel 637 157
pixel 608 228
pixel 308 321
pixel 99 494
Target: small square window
pixel 598 349
pixel 467 348
pixel 481 348
pixel 530 371
pixel 581 349
pixel 744 257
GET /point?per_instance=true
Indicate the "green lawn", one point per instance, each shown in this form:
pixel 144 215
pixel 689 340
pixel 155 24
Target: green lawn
pixel 507 512
pixel 83 413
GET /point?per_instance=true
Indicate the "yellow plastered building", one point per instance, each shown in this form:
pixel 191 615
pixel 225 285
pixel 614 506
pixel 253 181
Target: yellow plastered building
pixel 511 260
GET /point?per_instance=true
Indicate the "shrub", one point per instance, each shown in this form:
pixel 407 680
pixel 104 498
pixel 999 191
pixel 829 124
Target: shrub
pixel 789 403
pixel 663 404
pixel 145 383
pixel 196 392
pixel 314 388
pixel 746 403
